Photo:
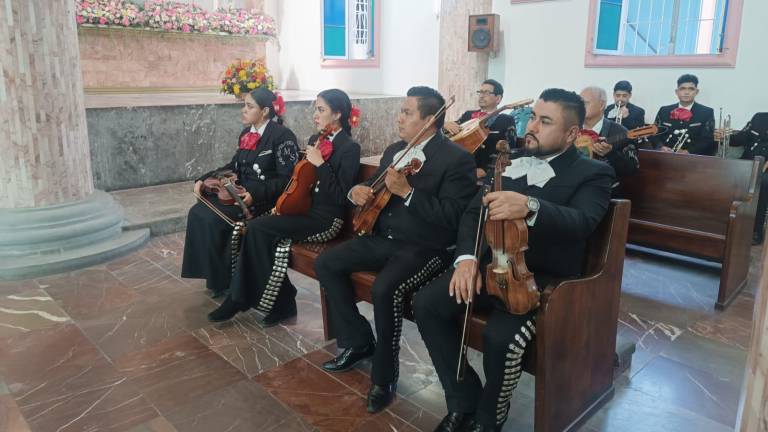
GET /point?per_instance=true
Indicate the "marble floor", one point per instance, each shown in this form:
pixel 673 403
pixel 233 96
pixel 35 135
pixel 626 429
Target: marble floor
pixel 125 346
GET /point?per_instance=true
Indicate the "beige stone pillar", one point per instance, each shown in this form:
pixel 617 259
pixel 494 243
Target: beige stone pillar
pixel 460 72
pixel 753 411
pixel 51 219
pixel 43 136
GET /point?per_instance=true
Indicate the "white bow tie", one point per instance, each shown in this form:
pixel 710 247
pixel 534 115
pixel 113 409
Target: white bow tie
pixel 414 153
pixel 538 171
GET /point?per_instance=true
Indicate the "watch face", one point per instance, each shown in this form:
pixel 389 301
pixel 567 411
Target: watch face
pixel 533 204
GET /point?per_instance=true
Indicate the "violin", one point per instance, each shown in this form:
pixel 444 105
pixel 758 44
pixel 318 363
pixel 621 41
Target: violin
pixel 474 132
pixel 296 198
pixel 587 138
pixel 366 215
pixel 224 185
pixel 507 276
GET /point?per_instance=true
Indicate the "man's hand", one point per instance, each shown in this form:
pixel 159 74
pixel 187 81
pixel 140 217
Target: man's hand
pixel 506 205
pixel 397 183
pixel 361 194
pixel 452 127
pixel 683 151
pixel 314 156
pixel 666 149
pixel 601 147
pixel 461 282
pixel 198 187
pixel 721 133
pixel 480 173
pixel 624 112
pixel 247 198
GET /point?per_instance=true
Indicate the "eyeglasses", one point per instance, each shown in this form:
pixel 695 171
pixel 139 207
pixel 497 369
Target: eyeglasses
pixel 485 92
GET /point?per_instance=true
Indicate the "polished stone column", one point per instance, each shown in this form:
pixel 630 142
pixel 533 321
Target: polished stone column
pixel 753 410
pixel 51 218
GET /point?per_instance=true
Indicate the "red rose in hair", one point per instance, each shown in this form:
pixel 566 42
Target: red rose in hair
pixel 681 114
pixel 354 116
pixel 279 104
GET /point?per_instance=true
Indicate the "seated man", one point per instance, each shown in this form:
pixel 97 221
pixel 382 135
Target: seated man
pixel 563 196
pixel 488 98
pixel 407 246
pixel 754 139
pixel 689 125
pixel 623 111
pixel 613 147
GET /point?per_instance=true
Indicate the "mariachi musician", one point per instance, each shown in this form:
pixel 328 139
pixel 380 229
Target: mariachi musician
pixel 623 111
pixel 263 164
pixel 688 125
pixel 754 139
pixel 612 145
pixel 407 245
pixel 562 196
pixel 488 98
pixel 260 280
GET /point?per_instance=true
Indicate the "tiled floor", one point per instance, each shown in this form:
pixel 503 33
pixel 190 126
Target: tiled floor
pixel 126 347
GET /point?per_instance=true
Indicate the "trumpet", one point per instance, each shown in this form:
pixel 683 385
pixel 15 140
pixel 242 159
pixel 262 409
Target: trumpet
pixel 682 139
pixel 724 126
pixel 617 109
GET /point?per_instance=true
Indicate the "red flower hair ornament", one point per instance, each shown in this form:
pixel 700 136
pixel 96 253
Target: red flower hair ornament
pixel 354 116
pixel 279 104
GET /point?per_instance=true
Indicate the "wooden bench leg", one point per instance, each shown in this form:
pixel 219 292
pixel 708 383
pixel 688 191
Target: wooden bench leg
pixel 327 327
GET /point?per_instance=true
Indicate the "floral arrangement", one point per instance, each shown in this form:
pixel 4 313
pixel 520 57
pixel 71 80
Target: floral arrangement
pixel 243 76
pixel 169 15
pixel 108 12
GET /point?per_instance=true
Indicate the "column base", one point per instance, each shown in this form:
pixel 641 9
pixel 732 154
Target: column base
pixel 42 241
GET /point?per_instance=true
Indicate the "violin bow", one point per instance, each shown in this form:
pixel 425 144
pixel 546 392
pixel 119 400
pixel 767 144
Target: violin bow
pixel 418 136
pixel 462 366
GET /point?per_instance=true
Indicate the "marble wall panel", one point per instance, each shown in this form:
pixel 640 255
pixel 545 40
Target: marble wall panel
pixel 143 146
pixel 460 72
pixel 141 59
pixel 43 136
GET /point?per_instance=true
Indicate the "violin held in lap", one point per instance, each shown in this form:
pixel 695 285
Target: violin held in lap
pixel 224 185
pixel 366 215
pixel 296 199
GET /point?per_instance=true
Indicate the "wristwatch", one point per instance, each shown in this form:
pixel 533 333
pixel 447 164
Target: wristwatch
pixel 533 207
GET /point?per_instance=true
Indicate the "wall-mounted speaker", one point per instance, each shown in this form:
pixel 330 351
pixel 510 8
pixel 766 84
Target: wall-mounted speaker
pixel 483 33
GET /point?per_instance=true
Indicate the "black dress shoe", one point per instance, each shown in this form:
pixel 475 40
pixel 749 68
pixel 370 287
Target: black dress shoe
pixel 276 317
pixel 454 422
pixel 228 309
pixel 473 426
pixel 379 397
pixel 349 358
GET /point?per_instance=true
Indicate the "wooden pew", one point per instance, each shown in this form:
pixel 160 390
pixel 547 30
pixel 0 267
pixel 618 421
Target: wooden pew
pixel 698 206
pixel 574 351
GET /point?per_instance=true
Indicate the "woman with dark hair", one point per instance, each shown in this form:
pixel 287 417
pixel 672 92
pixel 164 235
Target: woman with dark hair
pixel 260 279
pixel 263 163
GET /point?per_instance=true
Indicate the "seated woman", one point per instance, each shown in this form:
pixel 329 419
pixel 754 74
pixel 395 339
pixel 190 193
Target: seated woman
pixel 263 163
pixel 259 280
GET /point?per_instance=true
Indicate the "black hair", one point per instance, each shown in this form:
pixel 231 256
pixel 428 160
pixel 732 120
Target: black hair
pixel 569 101
pixel 264 99
pixel 688 78
pixel 430 102
pixel 339 103
pixel 624 86
pixel 498 89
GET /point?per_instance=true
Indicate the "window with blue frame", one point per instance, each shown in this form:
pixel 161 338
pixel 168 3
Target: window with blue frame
pixel 348 29
pixel 660 27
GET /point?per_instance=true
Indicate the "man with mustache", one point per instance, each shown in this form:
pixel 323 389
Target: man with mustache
pixel 562 196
